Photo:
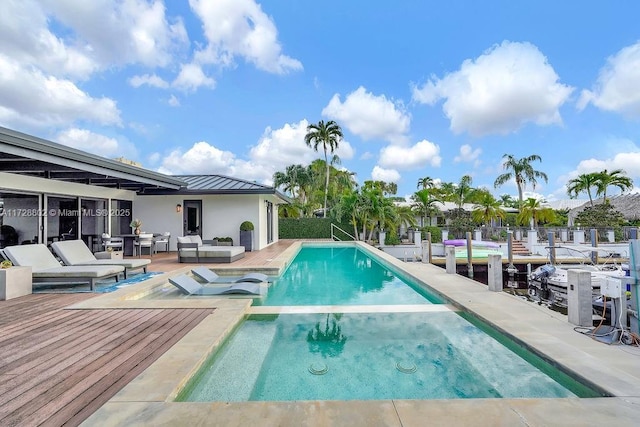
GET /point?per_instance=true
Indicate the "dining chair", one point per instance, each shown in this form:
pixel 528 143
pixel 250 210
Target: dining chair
pixel 163 240
pixel 115 243
pixel 144 240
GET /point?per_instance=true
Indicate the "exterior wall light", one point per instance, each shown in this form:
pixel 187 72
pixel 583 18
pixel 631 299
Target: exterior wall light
pixel 178 207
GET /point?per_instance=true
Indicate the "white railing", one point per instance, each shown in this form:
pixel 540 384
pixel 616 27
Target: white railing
pixel 333 235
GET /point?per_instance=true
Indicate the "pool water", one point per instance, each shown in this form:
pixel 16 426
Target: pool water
pixel 431 355
pixel 417 349
pixel 341 276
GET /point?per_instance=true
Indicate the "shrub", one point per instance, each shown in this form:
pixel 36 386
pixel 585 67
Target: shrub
pixel 310 228
pixel 6 264
pixel 246 226
pixel 436 233
pixel 391 239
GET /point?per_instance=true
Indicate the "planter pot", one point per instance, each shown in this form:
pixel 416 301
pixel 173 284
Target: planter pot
pixel 15 282
pixel 246 240
pixel 224 243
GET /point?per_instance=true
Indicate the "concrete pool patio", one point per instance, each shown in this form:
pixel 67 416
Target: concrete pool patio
pixel 148 398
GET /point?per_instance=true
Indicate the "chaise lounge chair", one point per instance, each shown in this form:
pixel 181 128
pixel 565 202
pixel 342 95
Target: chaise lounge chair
pixel 190 286
pixel 210 276
pixel 45 268
pixel 76 252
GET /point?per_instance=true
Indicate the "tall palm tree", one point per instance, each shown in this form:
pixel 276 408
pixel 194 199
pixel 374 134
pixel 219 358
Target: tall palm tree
pixel 615 178
pixel 583 183
pixel 425 182
pixel 463 190
pixel 328 135
pixel 522 171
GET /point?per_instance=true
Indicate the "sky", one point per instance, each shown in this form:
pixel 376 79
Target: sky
pixel 420 88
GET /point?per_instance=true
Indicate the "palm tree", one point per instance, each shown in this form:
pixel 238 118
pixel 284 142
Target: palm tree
pixel 615 178
pixel 583 183
pixel 487 209
pixel 522 171
pixel 328 135
pixel 423 203
pixel 463 190
pixel 425 183
pixel 508 201
pixel 532 211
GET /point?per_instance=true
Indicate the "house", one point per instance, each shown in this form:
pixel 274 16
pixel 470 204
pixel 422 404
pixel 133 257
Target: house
pixel 50 192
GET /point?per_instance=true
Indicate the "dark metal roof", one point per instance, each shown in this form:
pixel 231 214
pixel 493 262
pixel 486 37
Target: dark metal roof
pixel 221 184
pixel 29 155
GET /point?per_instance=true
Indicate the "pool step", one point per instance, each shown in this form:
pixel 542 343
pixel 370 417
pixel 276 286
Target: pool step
pixel 313 309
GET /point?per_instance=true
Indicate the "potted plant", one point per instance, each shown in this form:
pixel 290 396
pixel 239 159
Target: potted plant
pixel 225 241
pixel 246 235
pixel 136 224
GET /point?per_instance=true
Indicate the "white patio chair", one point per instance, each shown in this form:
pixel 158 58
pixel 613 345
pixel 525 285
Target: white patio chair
pixel 163 240
pixel 115 243
pixel 144 240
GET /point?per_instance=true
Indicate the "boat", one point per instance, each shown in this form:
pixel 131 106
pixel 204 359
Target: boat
pixel 474 243
pixel 548 283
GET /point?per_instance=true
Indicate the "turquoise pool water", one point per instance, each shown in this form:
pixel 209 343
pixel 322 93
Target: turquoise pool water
pixel 430 352
pixel 341 276
pixel 367 356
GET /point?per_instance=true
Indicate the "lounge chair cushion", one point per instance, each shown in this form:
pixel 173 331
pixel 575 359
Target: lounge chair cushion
pixel 189 286
pixel 210 276
pixel 76 252
pixel 44 264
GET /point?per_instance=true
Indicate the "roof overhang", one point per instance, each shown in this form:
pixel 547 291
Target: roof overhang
pixel 24 154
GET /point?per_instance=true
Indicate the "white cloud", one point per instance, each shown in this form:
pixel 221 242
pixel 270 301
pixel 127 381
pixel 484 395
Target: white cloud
pixel 26 38
pixel 148 79
pixel 191 77
pixel 419 155
pixel 86 140
pixel 386 175
pixel 628 162
pixel 201 158
pixel 468 155
pixel 370 116
pixel 173 101
pixel 506 87
pixel 240 28
pixel 617 87
pixel 366 155
pixel 23 90
pixel 275 150
pixel 122 32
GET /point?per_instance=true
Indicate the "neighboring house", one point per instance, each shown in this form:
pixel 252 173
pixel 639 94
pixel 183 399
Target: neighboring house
pixel 49 192
pixel 627 204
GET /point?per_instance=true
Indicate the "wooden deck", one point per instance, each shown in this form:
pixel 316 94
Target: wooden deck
pixel 58 366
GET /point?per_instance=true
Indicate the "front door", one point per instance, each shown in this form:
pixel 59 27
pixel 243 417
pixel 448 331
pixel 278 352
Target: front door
pixel 192 217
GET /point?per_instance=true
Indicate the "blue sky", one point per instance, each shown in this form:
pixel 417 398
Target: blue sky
pixel 420 88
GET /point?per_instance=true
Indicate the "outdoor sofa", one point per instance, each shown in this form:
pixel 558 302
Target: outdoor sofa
pixel 45 268
pixel 193 249
pixel 76 252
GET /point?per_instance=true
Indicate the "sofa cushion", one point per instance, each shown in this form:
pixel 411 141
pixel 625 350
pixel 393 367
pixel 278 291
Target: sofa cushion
pixel 196 239
pixel 184 239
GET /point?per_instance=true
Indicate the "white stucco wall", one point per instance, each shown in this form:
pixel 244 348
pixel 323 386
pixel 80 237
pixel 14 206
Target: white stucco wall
pixel 221 216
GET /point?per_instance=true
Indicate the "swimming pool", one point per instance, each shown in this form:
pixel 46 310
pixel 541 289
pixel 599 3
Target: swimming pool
pixel 432 353
pixel 339 275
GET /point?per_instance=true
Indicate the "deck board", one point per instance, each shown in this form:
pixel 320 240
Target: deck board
pixel 58 366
